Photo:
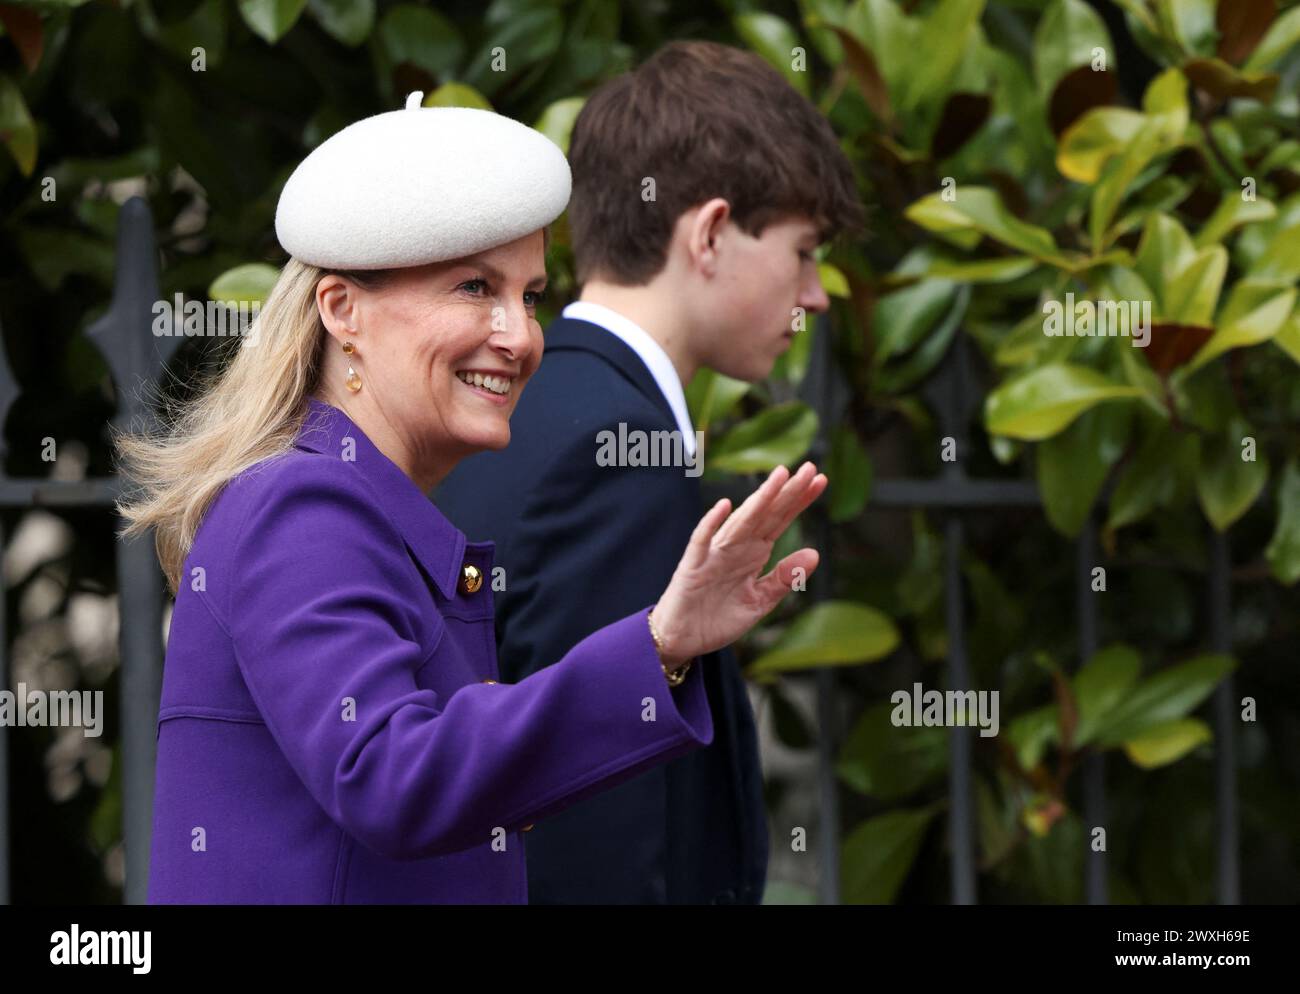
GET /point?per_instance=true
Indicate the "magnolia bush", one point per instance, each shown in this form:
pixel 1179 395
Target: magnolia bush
pixel 1099 204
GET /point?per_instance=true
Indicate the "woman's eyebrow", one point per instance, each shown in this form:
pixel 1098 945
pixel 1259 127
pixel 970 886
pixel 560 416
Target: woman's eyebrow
pixel 497 276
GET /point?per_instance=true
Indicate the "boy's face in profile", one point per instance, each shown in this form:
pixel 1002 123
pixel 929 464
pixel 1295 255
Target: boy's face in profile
pixel 748 311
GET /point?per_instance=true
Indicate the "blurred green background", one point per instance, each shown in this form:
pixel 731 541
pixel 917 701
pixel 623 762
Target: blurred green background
pixel 1008 153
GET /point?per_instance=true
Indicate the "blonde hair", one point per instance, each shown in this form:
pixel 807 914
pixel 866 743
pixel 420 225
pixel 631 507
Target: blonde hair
pixel 249 411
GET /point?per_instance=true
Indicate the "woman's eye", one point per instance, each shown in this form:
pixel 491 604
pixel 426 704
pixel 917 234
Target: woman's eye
pixel 472 286
pixel 534 297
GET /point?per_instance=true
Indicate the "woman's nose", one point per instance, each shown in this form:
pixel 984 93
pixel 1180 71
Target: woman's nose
pixel 512 331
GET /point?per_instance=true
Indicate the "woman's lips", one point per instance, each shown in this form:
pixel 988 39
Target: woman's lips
pixel 500 399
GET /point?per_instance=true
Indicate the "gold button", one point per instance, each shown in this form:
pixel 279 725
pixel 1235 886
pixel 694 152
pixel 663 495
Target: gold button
pixel 489 681
pixel 528 828
pixel 470 579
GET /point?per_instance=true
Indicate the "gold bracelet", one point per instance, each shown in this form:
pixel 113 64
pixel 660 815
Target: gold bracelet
pixel 676 677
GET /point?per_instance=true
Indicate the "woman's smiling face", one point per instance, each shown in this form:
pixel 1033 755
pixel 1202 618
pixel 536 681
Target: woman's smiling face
pixel 443 352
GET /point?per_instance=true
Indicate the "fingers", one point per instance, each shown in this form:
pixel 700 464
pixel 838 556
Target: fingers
pixel 751 511
pixel 780 581
pixel 697 549
pixel 802 489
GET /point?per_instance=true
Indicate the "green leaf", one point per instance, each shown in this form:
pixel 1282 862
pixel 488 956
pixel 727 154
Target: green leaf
pixel 556 122
pixel 832 633
pixel 850 475
pixel 1091 141
pixel 1254 313
pixel 902 318
pixel 922 581
pixel 940 216
pixel 792 364
pixel 421 37
pixel 878 854
pixel 1030 734
pixel 834 282
pixel 776 436
pixel 1191 296
pixel 981 208
pixel 1280 261
pixel 888 34
pixel 1165 105
pixel 1064 40
pixel 1283 551
pixel 17 128
pixel 1168 695
pixel 348 21
pixel 1168 742
pixel 249 283
pixel 205 27
pixel 54 253
pixel 1042 402
pixel 1000 270
pixel 774 39
pixel 1164 251
pixel 454 94
pixel 1190 22
pixel 944 36
pixel 1100 686
pixel 782 893
pixel 1117 176
pixel 1073 465
pixel 271 19
pixel 1282 35
pixel 865 71
pixel 1284 155
pixel 1226 483
pixel 523 36
pixel 1232 213
pixel 1254 241
pixel 897 377
pixel 888 762
pixel 1150 478
pixel 1165 101
pixel 1160 195
pixel 711 396
pixel 1288 337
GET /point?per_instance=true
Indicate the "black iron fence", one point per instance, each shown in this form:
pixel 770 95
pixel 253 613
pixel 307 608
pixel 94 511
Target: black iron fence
pixel 137 359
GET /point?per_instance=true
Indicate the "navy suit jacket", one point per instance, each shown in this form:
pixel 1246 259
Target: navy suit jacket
pixel 582 545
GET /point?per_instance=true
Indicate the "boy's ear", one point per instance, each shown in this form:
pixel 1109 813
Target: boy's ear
pixel 704 230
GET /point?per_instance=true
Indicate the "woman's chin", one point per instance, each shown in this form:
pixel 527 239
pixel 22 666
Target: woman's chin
pixel 488 438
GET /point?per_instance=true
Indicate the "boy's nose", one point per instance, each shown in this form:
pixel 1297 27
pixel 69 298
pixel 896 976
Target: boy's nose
pixel 814 297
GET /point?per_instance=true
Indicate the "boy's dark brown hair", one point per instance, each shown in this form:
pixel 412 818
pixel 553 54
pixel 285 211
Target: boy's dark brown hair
pixel 702 120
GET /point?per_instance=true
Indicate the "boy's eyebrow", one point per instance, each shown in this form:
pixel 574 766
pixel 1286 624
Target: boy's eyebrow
pixel 496 274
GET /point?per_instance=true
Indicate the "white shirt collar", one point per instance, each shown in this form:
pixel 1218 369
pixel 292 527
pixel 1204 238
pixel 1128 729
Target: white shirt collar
pixel 651 353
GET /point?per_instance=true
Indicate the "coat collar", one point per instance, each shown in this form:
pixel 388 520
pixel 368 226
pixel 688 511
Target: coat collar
pixel 571 334
pixel 435 541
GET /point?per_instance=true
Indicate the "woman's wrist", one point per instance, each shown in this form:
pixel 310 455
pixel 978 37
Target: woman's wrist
pixel 674 666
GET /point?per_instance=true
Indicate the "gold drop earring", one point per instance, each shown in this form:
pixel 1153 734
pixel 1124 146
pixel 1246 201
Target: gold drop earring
pixel 353 380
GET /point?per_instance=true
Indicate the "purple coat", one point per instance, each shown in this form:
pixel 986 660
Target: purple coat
pixel 330 731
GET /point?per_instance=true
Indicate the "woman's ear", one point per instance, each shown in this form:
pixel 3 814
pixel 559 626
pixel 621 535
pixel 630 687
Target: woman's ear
pixel 337 299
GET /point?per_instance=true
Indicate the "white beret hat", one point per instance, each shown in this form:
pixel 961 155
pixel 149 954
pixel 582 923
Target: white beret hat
pixel 420 185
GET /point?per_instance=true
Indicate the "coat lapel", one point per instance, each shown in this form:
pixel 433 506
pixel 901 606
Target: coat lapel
pixel 572 335
pixel 434 541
